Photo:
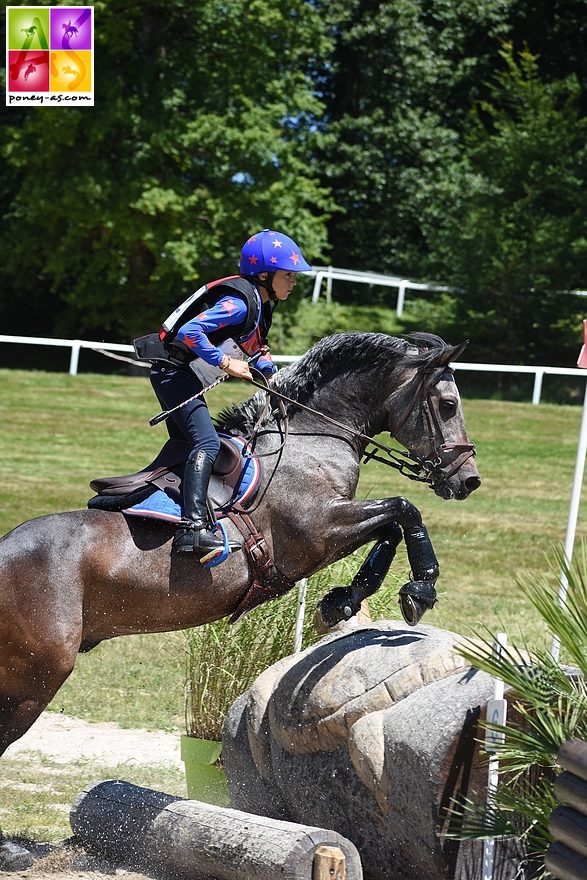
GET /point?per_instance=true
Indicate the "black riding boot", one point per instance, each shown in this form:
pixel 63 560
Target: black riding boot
pixel 194 534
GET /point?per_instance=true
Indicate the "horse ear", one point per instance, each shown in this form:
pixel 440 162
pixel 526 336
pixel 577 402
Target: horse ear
pixel 456 351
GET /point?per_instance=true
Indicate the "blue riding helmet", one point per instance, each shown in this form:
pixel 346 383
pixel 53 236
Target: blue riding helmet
pixel 268 250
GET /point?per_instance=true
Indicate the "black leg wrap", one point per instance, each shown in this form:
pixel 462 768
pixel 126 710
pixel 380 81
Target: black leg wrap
pixel 423 561
pixel 415 598
pixel 342 603
pixel 372 572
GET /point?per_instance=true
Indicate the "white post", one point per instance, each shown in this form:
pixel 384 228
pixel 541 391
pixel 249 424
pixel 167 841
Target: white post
pixel 538 376
pixel 299 633
pixel 496 713
pixel 317 286
pixel 401 296
pixel 573 516
pixel 329 286
pixel 74 359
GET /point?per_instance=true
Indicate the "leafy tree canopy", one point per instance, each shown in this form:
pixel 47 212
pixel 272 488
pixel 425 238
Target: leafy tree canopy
pixel 202 133
pixel 434 139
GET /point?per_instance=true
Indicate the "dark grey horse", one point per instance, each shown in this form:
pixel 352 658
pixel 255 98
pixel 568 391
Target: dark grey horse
pixel 70 580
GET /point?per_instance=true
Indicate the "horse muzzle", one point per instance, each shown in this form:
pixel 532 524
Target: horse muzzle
pixel 449 483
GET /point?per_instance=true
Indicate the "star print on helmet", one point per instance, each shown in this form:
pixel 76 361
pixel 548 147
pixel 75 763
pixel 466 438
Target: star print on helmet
pixel 269 250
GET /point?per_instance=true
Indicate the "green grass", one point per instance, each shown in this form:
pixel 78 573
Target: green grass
pixel 61 431
pixel 36 793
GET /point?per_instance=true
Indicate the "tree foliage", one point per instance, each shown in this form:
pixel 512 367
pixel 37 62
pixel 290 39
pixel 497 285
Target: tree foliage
pixel 515 239
pixel 436 139
pixel 201 133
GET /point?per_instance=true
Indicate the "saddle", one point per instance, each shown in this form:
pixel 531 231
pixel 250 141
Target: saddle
pixel 166 473
pixel 233 484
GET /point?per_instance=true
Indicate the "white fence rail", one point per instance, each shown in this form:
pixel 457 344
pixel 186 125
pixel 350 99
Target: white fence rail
pixel 331 273
pixel 373 279
pixel 76 345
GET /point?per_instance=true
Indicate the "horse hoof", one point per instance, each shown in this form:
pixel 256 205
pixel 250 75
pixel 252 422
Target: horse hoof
pixel 412 610
pixel 14 857
pixel 415 598
pixel 336 606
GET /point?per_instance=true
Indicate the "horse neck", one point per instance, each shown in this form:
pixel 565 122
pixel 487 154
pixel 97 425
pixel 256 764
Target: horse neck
pixel 353 400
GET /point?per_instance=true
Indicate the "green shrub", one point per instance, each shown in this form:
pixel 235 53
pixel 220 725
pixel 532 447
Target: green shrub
pixel 549 707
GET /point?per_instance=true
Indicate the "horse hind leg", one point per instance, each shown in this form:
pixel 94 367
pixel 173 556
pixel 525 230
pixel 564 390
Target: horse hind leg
pixel 25 698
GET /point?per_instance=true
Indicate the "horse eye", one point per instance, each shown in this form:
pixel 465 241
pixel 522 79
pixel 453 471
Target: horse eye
pixel 449 407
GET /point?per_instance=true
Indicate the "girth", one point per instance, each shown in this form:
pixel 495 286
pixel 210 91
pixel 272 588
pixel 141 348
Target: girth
pixel 268 582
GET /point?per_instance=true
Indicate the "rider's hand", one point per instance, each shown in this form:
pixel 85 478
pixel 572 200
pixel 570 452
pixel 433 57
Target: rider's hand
pixel 238 369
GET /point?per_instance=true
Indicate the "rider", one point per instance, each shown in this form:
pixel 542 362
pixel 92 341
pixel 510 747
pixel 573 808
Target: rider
pixel 236 318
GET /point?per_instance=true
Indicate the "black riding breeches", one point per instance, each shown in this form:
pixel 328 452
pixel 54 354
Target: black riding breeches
pixel 191 422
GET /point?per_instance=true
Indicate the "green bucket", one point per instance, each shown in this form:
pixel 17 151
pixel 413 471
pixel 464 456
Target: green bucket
pixel 206 780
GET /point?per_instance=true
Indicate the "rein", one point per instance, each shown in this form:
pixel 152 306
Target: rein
pixel 412 466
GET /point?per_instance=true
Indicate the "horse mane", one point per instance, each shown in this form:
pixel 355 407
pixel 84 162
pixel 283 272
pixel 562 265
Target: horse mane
pixel 342 354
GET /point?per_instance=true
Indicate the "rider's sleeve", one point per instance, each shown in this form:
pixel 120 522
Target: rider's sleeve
pixel 227 311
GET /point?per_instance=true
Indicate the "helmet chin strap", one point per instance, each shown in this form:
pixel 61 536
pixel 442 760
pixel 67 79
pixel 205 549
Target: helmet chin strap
pixel 268 285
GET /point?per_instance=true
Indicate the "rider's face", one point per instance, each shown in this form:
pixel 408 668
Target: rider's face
pixel 283 283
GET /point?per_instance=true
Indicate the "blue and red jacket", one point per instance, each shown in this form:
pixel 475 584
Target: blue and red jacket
pixel 230 308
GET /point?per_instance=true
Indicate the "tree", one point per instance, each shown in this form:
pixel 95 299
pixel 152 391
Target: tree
pixel 202 132
pixel 516 238
pixel 397 90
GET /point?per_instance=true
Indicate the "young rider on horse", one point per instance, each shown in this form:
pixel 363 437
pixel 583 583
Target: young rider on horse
pixel 236 318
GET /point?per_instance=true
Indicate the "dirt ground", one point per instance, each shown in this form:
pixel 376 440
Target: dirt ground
pixel 103 743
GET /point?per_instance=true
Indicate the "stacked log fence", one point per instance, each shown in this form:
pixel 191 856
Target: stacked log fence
pixel 566 857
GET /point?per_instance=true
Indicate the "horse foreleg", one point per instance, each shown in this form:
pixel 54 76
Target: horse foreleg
pixel 341 603
pixel 16 716
pixel 419 594
pixel 415 597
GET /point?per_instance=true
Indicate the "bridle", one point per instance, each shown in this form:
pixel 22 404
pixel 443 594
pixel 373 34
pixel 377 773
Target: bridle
pixel 429 469
pixel 415 467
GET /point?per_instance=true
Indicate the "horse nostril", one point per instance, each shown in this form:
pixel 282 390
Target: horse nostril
pixel 472 483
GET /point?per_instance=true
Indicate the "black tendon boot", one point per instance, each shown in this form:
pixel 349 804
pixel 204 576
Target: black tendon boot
pixel 195 534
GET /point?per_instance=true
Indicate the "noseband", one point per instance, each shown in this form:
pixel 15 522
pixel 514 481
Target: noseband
pixel 433 465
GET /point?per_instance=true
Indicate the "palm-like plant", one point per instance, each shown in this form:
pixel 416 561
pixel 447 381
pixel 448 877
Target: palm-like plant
pixel 548 705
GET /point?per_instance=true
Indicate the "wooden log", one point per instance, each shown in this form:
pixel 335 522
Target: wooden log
pixel 572 756
pixel 144 828
pixel 329 864
pixel 564 863
pixel 570 791
pixel 569 827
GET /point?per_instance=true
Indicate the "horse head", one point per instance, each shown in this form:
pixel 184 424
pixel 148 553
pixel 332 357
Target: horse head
pixel 426 417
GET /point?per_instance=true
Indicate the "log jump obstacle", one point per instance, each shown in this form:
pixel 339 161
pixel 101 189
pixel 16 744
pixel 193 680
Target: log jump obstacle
pixel 146 828
pixel 566 858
